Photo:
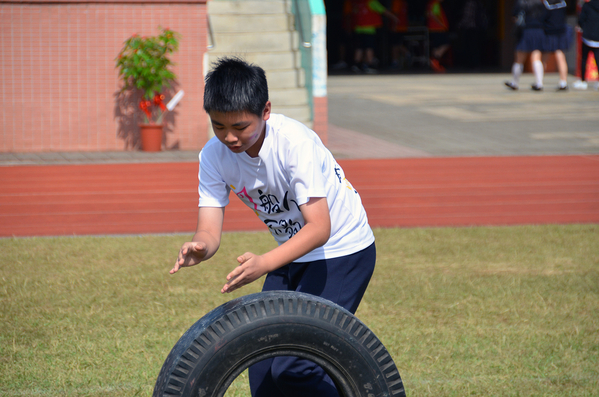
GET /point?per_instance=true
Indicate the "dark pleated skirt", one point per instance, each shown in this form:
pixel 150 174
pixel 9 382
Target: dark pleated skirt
pixel 532 39
pixel 563 41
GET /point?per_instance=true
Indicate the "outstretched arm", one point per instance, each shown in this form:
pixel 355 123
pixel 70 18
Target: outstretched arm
pixel 205 241
pixel 315 233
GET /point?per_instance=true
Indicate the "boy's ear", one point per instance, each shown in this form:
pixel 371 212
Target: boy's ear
pixel 266 111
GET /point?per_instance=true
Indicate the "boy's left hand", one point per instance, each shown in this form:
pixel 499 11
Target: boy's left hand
pixel 251 267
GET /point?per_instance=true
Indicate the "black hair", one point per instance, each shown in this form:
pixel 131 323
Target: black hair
pixel 234 85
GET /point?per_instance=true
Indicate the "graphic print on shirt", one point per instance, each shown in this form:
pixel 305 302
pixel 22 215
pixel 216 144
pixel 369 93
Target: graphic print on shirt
pixel 273 211
pixel 337 174
pixel 244 196
pixel 286 226
pixel 270 204
pixel 347 184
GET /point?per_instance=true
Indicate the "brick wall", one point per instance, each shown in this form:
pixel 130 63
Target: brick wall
pixel 58 79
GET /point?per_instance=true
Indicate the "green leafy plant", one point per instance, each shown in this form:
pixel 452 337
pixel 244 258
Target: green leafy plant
pixel 144 64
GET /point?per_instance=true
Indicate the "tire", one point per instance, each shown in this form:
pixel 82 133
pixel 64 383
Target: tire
pixel 232 337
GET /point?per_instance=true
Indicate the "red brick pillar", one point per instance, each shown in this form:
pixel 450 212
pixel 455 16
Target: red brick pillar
pixel 321 118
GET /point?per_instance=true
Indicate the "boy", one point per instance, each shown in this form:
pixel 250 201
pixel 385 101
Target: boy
pixel 438 27
pixel 282 171
pixel 367 19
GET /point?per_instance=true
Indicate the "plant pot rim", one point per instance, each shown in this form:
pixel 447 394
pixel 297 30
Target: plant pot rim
pixel 150 125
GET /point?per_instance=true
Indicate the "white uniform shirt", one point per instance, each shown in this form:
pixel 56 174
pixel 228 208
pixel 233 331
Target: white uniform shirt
pixel 293 165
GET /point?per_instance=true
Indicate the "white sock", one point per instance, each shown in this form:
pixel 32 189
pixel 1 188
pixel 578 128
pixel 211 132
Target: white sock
pixel 563 83
pixel 537 67
pixel 516 73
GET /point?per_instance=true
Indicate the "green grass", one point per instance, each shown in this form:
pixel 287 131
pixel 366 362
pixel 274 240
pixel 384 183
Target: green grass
pixel 508 311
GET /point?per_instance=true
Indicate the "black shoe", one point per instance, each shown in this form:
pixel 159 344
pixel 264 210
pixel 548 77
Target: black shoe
pixel 511 85
pixel 535 87
pixel 369 70
pixel 560 88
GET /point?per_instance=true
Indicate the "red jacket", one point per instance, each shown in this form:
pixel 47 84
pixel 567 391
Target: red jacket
pixel 399 8
pixel 365 16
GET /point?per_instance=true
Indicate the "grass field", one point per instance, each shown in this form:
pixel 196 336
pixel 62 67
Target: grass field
pixel 498 311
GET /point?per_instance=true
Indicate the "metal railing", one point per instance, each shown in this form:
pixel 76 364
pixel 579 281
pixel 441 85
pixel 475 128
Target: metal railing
pixel 303 25
pixel 212 43
pixel 300 25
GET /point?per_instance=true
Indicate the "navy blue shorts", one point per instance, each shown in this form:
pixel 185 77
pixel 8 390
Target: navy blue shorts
pixel 365 40
pixel 341 280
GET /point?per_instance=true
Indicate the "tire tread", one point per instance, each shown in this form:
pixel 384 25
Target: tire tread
pixel 250 310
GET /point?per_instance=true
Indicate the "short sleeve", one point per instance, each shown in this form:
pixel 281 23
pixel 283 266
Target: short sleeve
pixel 305 168
pixel 213 190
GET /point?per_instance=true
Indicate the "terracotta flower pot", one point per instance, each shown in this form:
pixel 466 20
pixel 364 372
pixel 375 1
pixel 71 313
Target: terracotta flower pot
pixel 151 137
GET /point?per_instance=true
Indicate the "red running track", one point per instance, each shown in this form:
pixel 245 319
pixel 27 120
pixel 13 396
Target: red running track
pixel 162 197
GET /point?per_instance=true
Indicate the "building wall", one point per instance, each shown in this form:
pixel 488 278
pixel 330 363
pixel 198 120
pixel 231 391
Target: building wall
pixel 58 78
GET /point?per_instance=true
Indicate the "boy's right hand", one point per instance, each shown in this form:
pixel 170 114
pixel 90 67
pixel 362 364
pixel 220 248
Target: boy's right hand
pixel 190 254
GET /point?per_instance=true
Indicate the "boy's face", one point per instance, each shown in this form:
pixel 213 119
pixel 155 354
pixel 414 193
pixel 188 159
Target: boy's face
pixel 240 131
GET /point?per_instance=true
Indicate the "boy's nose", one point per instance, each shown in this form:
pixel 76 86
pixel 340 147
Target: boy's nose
pixel 230 137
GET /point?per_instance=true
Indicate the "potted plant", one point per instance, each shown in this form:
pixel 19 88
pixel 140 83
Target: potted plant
pixel 144 65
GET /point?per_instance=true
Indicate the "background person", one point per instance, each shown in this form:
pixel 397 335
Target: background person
pixel 400 55
pixel 438 27
pixel 558 36
pixel 531 42
pixel 367 19
pixel 588 20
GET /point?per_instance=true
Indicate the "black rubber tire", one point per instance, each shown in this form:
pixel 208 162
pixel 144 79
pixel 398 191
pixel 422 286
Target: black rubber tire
pixel 247 330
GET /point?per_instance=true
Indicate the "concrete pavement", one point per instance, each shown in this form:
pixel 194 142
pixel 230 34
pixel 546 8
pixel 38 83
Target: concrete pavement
pixel 424 115
pixel 464 115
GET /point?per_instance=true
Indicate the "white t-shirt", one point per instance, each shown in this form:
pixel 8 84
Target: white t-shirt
pixel 293 165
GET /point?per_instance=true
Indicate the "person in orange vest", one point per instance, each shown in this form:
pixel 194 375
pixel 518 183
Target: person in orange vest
pixel 438 27
pixel 367 19
pixel 588 20
pixel 399 52
pixel 339 30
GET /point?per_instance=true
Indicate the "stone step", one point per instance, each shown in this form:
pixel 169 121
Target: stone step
pixel 266 60
pixel 251 23
pixel 256 42
pixel 299 113
pixel 288 97
pixel 262 7
pixel 287 78
pixel 279 73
